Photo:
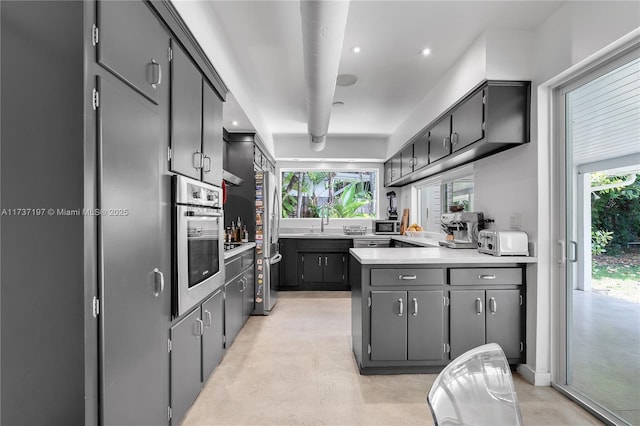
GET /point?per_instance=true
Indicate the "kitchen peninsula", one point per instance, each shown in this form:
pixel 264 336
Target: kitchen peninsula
pixel 415 309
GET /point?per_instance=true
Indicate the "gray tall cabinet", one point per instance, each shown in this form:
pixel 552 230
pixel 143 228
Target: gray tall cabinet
pixel 85 290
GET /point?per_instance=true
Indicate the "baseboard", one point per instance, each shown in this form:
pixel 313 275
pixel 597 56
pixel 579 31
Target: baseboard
pixel 536 378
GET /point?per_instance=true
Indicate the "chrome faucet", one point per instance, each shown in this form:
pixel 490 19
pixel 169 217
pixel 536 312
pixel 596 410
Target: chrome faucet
pixel 324 216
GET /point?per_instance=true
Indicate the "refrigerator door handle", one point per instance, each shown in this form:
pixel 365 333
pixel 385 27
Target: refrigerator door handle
pixel 275 259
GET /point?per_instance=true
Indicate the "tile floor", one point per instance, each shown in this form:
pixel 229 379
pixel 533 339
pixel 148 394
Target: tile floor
pixel 295 367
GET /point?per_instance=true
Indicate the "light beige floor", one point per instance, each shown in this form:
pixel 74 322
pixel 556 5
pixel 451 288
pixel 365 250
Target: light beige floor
pixel 296 367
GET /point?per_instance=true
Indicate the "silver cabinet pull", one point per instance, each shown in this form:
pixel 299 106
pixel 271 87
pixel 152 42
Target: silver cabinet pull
pixel 326 261
pixel 158 282
pixel 206 164
pixel 372 244
pixel 493 305
pixel 401 307
pixel 319 260
pixel 207 315
pixel 486 277
pixel 407 277
pixel 244 284
pixel 198 160
pixel 415 307
pixel 199 331
pixel 156 74
pixel 454 139
pixel 445 141
pixel 478 306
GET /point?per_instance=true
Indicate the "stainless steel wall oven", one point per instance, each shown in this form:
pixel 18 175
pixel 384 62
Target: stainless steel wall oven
pixel 198 253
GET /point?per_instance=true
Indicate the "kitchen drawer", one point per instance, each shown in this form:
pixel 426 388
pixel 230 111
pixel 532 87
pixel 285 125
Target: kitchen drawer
pixel 485 276
pixel 232 267
pixel 407 277
pixel 247 259
pixel 373 242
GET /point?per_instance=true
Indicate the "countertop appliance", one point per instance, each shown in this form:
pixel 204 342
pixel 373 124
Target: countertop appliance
pixel 386 227
pixel 198 238
pixel 462 229
pixel 267 229
pixel 503 243
pixel 392 210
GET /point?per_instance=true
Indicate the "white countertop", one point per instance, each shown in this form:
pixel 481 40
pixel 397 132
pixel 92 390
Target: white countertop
pixel 333 235
pixel 228 254
pixel 430 255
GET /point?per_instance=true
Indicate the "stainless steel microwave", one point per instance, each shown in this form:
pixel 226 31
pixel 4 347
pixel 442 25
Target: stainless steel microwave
pixel 386 227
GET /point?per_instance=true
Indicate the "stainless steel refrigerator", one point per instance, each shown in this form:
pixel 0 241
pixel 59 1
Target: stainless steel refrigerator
pixel 267 254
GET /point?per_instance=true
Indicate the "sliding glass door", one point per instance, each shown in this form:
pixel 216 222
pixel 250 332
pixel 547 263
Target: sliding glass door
pixel 600 239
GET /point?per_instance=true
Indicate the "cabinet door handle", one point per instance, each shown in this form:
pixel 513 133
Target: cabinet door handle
pixel 478 306
pixel 487 277
pixel 372 244
pixel 445 141
pixel 199 331
pixel 156 74
pixel 401 307
pixel 206 164
pixel 159 282
pixel 415 307
pixel 326 262
pixel 207 315
pixel 454 139
pixel 319 260
pixel 198 159
pixel 493 305
pixel 407 277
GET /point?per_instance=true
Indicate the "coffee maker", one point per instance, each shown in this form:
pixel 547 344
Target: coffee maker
pixel 392 210
pixel 462 229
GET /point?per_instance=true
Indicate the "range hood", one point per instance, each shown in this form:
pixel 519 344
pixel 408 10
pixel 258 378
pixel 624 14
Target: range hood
pixel 231 179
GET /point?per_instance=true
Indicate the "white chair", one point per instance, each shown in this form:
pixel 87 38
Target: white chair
pixel 475 389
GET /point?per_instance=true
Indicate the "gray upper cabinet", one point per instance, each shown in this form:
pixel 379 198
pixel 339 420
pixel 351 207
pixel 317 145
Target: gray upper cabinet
pixel 186 115
pixel 212 142
pixel 467 122
pixel 133 45
pixel 186 373
pixel 392 169
pixel 406 160
pixel 136 313
pixel 440 139
pixel 421 151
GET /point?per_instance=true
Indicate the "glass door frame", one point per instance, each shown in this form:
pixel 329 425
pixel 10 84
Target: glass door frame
pixel 562 230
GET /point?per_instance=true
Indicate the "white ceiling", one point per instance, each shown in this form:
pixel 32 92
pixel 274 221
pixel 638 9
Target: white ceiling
pixel 266 39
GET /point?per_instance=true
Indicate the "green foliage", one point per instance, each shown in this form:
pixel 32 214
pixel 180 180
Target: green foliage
pixel 352 197
pixel 616 210
pixel 599 240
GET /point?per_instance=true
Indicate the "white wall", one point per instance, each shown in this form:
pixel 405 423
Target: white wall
pixel 304 225
pixel 338 147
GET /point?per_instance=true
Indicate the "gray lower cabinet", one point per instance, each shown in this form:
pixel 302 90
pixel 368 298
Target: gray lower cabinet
pixel 233 308
pixel 213 334
pixel 323 268
pixel 407 325
pixel 239 293
pixel 186 373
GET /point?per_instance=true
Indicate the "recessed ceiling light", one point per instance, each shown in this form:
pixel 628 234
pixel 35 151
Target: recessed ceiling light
pixel 338 104
pixel 234 123
pixel 356 49
pixel 425 52
pixel 345 80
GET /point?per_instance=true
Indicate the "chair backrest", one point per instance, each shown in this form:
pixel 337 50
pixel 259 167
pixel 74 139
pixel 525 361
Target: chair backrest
pixel 475 389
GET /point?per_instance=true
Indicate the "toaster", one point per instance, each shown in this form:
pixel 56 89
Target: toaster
pixel 503 243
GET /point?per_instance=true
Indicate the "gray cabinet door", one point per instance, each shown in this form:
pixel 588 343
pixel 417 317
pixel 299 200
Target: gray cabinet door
pixel 421 151
pixel 388 325
pixel 212 340
pixel 312 267
pixel 133 45
pixel 334 267
pixel 186 373
pixel 440 139
pixel 425 318
pixel 503 320
pixel 232 310
pixel 395 167
pixel 248 294
pixel 135 314
pixel 466 321
pixel 466 122
pixel 406 160
pixel 212 143
pixel 387 172
pixel 186 114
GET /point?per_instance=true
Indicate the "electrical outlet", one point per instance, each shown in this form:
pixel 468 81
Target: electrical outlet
pixel 515 221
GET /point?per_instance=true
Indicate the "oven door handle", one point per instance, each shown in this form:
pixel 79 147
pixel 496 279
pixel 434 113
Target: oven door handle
pixel 201 214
